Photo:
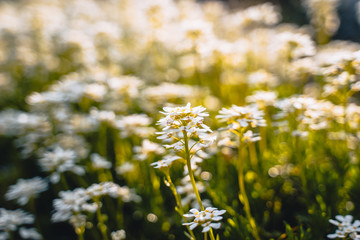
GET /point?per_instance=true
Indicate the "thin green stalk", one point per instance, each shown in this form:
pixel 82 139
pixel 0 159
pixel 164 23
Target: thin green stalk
pixel 180 209
pixel 191 174
pixel 101 224
pixel 192 179
pixel 253 156
pixel 211 234
pixel 263 144
pixel 243 196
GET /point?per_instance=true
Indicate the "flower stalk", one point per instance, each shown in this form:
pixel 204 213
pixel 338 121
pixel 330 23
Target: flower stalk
pixel 179 208
pixel 101 223
pixel 243 196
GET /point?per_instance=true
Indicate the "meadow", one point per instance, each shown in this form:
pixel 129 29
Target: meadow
pixel 164 119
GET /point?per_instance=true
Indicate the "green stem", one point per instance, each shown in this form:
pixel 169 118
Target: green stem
pixel 211 234
pixel 191 174
pixel 180 209
pixel 192 179
pixel 101 224
pixel 243 196
pixel 253 156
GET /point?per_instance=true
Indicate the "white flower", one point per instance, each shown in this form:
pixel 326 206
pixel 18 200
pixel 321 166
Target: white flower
pixel 10 220
pixel 249 136
pixel 147 147
pixel 242 117
pixel 71 202
pixel 186 189
pixel 345 227
pixel 118 235
pixel 166 162
pixel 98 162
pixel 124 168
pixel 113 190
pixel 205 218
pixel 166 91
pixel 184 120
pixel 60 160
pixel 136 124
pixel 29 233
pixel 262 98
pixel 24 189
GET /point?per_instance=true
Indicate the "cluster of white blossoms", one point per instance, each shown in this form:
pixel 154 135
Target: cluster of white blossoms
pixel 70 203
pixel 135 124
pixel 24 189
pixel 113 190
pixel 345 227
pixel 81 200
pixel 58 161
pixel 118 235
pixel 184 122
pixel 11 221
pixel 262 98
pixel 205 218
pixel 99 162
pixel 242 117
pixel 146 149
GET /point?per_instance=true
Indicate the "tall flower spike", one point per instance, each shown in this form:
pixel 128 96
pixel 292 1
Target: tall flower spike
pixel 180 120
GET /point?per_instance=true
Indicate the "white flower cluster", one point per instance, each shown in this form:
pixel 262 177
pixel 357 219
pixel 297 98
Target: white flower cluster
pixel 11 221
pixel 180 122
pixel 242 117
pixel 118 235
pixel 79 200
pixel 24 189
pixel 58 161
pixel 262 98
pixel 72 202
pixel 99 162
pixel 345 227
pixel 113 190
pixel 135 124
pixel 205 218
pixel 147 147
pixel 16 123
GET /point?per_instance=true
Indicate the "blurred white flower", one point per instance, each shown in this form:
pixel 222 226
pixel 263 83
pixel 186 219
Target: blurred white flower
pixel 147 147
pixel 29 233
pixel 118 235
pixel 99 162
pixel 165 162
pixel 136 124
pixel 242 117
pixel 58 161
pixel 24 189
pixel 10 220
